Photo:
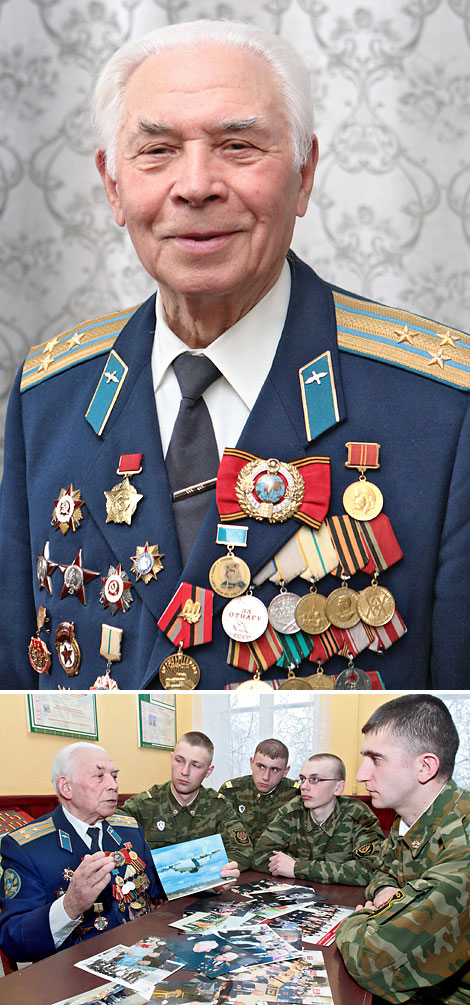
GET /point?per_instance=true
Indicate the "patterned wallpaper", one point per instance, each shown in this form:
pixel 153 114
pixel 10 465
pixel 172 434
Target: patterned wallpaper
pixel 390 213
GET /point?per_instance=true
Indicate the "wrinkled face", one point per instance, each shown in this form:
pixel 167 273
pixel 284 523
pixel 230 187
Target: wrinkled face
pixel 267 772
pixel 204 177
pixel 320 793
pixel 92 792
pixel 189 767
pixel 388 770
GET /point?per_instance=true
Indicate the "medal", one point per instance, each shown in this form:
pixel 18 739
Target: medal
pixel 147 562
pixel 362 499
pixel 310 613
pixel 386 635
pixel 244 619
pixel 319 680
pixel 75 577
pixel 100 923
pixel 353 679
pixel 67 511
pixel 110 649
pixel 258 655
pixel 122 500
pixel 179 672
pixel 188 616
pixel 116 590
pixel 341 607
pixel 44 569
pixel 67 648
pixel 273 490
pixel 348 543
pixel 376 605
pixel 39 655
pixel 230 576
pixel 281 611
pixel 256 684
pixel 294 683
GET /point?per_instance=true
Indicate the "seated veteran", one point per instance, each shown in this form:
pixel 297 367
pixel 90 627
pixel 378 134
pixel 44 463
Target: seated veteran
pixel 180 810
pixel 257 797
pixel 64 873
pixel 323 836
pixel 410 941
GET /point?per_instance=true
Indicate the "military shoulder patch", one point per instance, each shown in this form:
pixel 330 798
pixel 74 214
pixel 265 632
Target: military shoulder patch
pixel 364 849
pixel 241 837
pixel 403 339
pixel 93 338
pixel 34 830
pixel 11 883
pixel 121 820
pixel 394 899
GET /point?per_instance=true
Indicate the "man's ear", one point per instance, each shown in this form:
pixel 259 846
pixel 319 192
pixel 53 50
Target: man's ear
pixel 209 771
pixel 307 172
pixel 339 788
pixel 428 767
pixel 111 187
pixel 64 787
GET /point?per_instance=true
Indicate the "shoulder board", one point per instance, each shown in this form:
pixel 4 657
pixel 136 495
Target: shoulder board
pixel 227 785
pixel 403 339
pixel 121 820
pixel 34 830
pixel 93 338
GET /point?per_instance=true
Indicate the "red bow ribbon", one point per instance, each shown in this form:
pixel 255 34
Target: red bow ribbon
pixel 314 499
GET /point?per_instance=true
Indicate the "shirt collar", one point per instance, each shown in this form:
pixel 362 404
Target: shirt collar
pixel 328 825
pixel 404 828
pixel 81 826
pixel 244 353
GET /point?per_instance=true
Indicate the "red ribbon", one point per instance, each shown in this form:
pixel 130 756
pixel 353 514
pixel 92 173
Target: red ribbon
pixel 188 617
pixel 315 472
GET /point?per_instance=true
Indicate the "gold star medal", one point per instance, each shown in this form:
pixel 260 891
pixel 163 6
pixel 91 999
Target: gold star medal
pixel 147 562
pixel 122 499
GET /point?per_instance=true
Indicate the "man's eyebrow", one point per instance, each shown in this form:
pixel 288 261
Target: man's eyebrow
pixel 365 752
pixel 101 767
pixel 224 126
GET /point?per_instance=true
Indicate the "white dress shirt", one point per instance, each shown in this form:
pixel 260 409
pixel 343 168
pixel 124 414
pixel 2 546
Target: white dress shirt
pixel 243 354
pixel 60 924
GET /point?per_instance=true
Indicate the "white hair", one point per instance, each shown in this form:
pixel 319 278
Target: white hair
pixel 286 64
pixel 64 760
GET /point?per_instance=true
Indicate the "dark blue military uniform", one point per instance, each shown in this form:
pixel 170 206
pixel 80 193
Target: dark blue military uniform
pixel 388 390
pixel 38 861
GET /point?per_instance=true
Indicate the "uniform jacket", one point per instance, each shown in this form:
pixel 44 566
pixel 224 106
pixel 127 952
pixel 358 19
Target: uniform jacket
pixel 343 849
pixel 419 939
pixel 36 860
pixel 398 400
pixel 257 809
pixel 165 821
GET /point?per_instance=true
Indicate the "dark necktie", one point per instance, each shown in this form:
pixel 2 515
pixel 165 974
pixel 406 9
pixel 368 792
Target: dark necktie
pixel 94 833
pixel 192 456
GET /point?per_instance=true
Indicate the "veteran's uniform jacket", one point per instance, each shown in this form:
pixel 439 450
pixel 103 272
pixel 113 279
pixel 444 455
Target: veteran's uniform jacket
pixel 257 809
pixel 393 383
pixel 38 862
pixel 343 849
pixel 165 821
pixel 420 938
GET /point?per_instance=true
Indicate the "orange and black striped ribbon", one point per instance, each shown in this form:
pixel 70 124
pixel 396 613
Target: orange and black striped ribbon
pixel 348 544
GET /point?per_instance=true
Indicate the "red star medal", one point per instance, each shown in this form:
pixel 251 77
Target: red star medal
pixel 116 590
pixel 67 511
pixel 75 577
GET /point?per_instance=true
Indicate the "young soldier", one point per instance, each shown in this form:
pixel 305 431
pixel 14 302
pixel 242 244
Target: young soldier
pixel 324 836
pixel 257 797
pixel 410 942
pixel 181 809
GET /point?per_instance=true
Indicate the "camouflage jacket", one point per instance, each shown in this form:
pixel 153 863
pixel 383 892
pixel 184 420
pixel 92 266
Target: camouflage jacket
pixel 419 939
pixel 343 849
pixel 257 809
pixel 165 822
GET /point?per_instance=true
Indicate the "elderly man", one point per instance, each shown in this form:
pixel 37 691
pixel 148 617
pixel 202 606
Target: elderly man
pixel 76 871
pixel 207 157
pixel 258 796
pixel 323 836
pixel 181 809
pixel 410 942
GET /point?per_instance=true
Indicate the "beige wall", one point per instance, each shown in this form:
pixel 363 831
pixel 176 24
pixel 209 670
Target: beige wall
pixel 26 757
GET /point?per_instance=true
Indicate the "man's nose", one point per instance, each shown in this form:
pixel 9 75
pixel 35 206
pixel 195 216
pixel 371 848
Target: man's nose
pixel 199 177
pixel 363 773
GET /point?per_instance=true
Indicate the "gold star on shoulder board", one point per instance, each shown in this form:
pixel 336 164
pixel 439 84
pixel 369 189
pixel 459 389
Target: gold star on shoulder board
pixel 448 339
pixel 406 335
pixel 438 359
pixel 147 562
pixel 121 502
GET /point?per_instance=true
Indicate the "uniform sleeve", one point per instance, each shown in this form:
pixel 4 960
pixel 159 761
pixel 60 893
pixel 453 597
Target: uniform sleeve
pixel 25 932
pixel 275 837
pixel 358 841
pixel 236 840
pixel 385 870
pixel 418 939
pixel 17 611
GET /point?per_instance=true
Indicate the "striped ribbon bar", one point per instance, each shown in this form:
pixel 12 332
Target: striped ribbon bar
pixel 380 543
pixel 188 616
pixel 357 638
pixel 296 648
pixel 385 636
pixel 362 455
pixel 326 645
pixel 350 549
pixel 258 655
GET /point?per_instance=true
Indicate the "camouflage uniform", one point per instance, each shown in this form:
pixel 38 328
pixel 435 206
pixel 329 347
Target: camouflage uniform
pixel 257 809
pixel 343 849
pixel 419 939
pixel 165 821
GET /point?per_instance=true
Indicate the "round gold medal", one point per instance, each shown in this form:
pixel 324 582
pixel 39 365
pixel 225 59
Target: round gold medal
pixel 363 500
pixel 179 672
pixel 376 605
pixel 229 576
pixel 310 614
pixel 341 607
pixel 320 680
pixel 254 685
pixel 294 683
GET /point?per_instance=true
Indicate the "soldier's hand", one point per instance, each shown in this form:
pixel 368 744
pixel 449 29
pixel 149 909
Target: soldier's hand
pixel 230 870
pixel 281 864
pixel 384 894
pixel 87 882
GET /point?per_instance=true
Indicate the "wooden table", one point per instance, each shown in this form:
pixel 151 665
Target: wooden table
pixel 55 978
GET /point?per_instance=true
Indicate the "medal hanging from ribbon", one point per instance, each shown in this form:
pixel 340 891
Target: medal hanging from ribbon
pixel 349 546
pixel 187 621
pixel 362 499
pixel 273 490
pixel 326 645
pixel 295 649
pixel 255 656
pixel 385 636
pixel 122 500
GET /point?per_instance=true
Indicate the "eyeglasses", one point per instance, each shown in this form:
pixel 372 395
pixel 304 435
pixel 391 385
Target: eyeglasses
pixel 314 779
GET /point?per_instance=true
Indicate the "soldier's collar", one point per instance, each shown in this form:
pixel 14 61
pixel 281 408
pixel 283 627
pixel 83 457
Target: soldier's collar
pixel 175 801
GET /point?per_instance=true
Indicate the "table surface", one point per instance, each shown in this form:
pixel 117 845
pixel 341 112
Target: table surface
pixel 56 978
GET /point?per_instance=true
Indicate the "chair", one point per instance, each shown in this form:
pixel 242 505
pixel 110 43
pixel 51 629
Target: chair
pixel 9 966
